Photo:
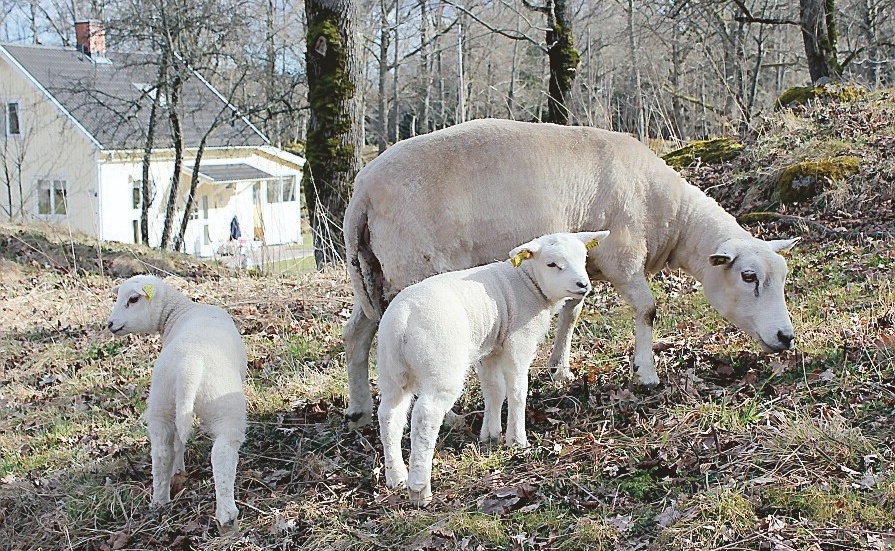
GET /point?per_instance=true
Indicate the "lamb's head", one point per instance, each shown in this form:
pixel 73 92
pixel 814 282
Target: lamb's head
pixel 136 305
pixel 557 262
pixel 745 281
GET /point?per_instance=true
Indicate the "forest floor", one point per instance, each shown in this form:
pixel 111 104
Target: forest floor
pixel 736 450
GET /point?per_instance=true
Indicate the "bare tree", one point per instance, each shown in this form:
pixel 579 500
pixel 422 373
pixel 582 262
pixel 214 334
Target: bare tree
pixel 333 145
pixel 818 22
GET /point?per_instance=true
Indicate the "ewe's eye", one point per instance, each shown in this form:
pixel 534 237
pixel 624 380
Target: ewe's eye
pixel 749 276
pixel 133 299
pixel 553 265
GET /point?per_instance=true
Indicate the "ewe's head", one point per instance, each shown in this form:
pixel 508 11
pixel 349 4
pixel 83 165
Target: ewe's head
pixel 745 284
pixel 134 310
pixel 557 262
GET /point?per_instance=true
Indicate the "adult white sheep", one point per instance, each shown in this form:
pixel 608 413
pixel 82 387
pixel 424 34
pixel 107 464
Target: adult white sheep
pixel 200 370
pixel 491 316
pixel 461 196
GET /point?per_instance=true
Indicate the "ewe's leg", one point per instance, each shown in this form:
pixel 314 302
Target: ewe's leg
pixel 161 442
pixel 393 405
pixel 428 414
pixel 494 392
pixel 562 343
pixel 358 338
pixel 636 292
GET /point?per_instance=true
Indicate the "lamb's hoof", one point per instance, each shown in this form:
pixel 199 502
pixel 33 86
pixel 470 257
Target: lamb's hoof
pixel 229 528
pixel 422 497
pixel 561 374
pixel 357 419
pixel 395 478
pixel 518 442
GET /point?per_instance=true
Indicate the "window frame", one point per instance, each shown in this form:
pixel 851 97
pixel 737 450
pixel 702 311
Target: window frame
pixel 53 213
pixel 6 118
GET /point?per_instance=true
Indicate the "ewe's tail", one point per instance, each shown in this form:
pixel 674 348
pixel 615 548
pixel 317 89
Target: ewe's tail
pixel 363 266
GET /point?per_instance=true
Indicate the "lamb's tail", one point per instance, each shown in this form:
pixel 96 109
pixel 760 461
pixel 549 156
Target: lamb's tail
pixel 363 265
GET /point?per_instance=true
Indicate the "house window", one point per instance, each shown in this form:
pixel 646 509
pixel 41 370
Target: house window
pixel 51 197
pixel 13 124
pixel 273 191
pixel 137 194
pixel 289 188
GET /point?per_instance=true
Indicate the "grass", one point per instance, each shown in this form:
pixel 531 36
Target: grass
pixel 737 450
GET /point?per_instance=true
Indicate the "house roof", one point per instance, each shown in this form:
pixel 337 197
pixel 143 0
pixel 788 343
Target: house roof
pixel 108 99
pixel 233 172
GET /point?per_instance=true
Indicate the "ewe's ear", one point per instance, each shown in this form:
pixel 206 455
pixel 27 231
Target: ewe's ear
pixel 523 252
pixel 592 238
pixel 783 245
pixel 725 254
pixel 115 291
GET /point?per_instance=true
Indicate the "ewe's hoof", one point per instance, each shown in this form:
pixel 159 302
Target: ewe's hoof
pixel 421 498
pixel 561 374
pixel 396 478
pixel 229 528
pixel 357 419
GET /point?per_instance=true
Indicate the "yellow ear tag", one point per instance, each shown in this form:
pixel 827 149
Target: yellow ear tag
pixel 591 244
pixel 148 290
pixel 517 260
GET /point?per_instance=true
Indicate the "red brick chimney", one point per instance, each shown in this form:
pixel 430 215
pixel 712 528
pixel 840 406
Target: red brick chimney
pixel 90 38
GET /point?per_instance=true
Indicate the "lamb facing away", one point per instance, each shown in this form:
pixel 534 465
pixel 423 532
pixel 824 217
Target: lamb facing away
pixel 200 370
pixel 492 316
pixel 461 196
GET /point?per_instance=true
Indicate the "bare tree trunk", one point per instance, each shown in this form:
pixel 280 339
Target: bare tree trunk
pixel 191 195
pixel 426 62
pixel 640 125
pixel 382 127
pixel 145 186
pixel 395 67
pixel 817 18
pixel 564 59
pixel 177 135
pixel 333 145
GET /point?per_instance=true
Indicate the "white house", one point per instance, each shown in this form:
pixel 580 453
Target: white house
pixel 72 144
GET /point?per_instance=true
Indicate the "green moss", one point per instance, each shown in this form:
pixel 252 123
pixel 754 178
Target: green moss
pixel 806 179
pixel 563 54
pixel 704 151
pixel 845 508
pixel 800 95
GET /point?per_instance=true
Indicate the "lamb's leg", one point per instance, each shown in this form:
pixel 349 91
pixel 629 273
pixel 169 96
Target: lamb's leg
pixel 636 292
pixel 358 338
pixel 515 373
pixel 428 414
pixel 393 405
pixel 224 457
pixel 562 343
pixel 494 393
pixel 161 442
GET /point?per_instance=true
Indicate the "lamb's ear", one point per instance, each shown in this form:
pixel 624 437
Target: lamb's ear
pixel 523 252
pixel 783 245
pixel 148 291
pixel 592 238
pixel 115 291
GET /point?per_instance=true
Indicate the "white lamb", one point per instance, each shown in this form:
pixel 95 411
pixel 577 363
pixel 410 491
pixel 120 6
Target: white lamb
pixel 200 370
pixel 492 316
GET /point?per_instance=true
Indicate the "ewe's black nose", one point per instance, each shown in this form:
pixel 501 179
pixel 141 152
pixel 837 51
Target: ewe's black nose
pixel 582 284
pixel 785 338
pixel 109 325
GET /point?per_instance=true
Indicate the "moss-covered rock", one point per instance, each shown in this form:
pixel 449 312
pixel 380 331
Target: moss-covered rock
pixel 800 95
pixel 805 180
pixel 704 151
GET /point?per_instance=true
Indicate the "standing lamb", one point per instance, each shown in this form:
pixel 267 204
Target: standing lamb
pixel 461 196
pixel 492 316
pixel 200 370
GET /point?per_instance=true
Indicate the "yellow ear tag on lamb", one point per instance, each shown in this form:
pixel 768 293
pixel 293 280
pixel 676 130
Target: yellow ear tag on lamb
pixel 518 258
pixel 148 290
pixel 592 243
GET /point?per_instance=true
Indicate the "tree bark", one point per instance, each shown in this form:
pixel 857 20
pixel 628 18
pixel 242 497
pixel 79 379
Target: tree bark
pixel 191 195
pixel 817 18
pixel 177 135
pixel 564 59
pixel 145 187
pixel 333 144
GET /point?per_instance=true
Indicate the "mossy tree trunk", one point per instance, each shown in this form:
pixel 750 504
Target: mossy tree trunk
pixel 564 59
pixel 333 140
pixel 817 18
pixel 177 136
